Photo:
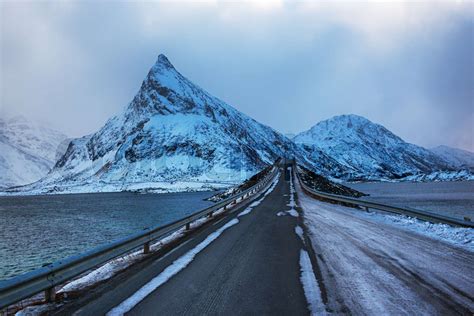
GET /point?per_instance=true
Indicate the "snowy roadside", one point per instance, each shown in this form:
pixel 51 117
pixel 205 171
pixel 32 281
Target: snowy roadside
pixel 375 264
pixel 457 236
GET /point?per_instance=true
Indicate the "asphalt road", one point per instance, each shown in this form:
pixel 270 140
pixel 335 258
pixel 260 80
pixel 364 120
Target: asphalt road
pixel 251 268
pixel 373 268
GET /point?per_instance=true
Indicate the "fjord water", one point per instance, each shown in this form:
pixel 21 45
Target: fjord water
pixel 35 230
pixel 454 199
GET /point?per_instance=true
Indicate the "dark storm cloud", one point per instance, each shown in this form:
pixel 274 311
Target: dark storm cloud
pixel 287 64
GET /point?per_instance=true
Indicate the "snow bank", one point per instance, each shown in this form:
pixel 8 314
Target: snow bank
pixel 111 268
pixel 458 236
pixel 310 285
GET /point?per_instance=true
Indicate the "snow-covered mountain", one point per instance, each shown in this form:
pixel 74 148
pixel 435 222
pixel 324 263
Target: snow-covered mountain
pixel 461 159
pixel 172 136
pixel 369 150
pixel 28 151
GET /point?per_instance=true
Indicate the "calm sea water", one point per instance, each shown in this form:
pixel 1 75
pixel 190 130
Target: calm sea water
pixel 455 199
pixel 36 230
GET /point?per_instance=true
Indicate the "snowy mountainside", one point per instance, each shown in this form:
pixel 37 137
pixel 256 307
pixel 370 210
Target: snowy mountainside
pixel 28 151
pixel 461 159
pixel 369 150
pixel 173 136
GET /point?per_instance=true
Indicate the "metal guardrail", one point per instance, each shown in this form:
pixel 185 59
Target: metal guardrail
pixel 423 215
pixel 46 278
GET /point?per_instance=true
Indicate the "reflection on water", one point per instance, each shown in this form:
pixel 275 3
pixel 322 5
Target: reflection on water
pixel 39 229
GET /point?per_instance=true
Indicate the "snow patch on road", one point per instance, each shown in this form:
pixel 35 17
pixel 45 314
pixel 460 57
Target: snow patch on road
pixel 291 212
pixel 299 232
pixel 292 203
pixel 168 273
pixel 310 286
pixel 245 212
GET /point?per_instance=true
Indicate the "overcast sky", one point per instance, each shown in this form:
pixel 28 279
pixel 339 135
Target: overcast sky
pixel 287 64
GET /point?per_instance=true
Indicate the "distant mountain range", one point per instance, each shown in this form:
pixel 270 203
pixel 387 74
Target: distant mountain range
pixel 371 152
pixel 174 136
pixel 28 151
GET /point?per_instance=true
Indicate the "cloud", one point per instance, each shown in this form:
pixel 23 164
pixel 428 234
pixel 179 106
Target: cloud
pixel 288 64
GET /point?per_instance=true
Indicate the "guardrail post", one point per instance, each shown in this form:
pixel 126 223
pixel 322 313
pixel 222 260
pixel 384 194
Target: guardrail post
pixel 366 208
pixel 210 214
pixel 188 226
pixel 50 295
pixel 146 248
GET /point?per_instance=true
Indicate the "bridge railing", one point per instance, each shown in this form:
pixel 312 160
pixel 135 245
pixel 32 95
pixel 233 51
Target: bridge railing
pixel 423 215
pixel 46 278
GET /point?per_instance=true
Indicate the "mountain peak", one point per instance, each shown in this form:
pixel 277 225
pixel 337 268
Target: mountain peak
pixel 162 67
pixel 349 127
pixel 163 62
pixel 350 120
